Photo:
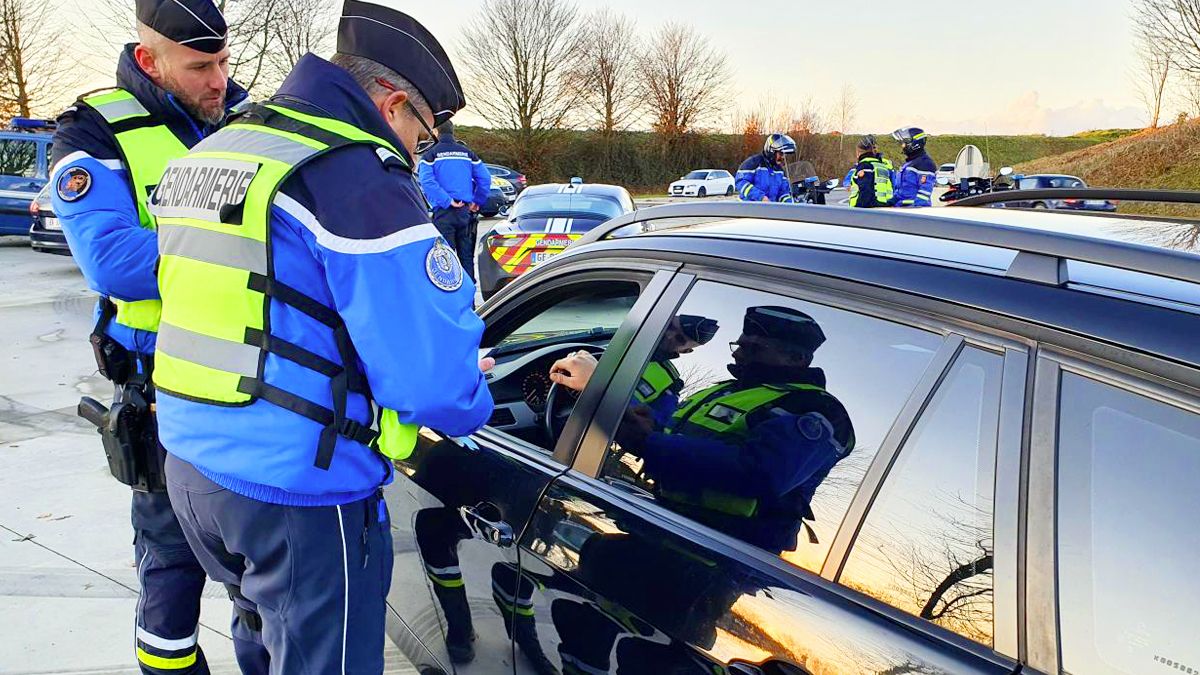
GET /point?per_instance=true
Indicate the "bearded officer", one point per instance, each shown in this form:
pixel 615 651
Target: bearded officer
pixel 333 321
pixel 109 151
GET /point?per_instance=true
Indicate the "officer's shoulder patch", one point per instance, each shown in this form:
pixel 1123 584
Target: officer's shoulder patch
pixel 442 266
pixel 73 183
pixel 812 426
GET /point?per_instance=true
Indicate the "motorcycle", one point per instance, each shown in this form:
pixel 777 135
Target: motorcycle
pixel 977 185
pixel 811 190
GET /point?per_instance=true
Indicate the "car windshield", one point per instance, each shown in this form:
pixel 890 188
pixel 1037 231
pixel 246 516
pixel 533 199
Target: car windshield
pixel 496 170
pixel 696 175
pixel 947 167
pixel 554 204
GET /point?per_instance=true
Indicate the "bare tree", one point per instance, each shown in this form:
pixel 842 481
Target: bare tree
pixel 517 59
pixel 1150 76
pixel 1174 26
pixel 685 78
pixel 845 110
pixel 605 78
pixel 33 64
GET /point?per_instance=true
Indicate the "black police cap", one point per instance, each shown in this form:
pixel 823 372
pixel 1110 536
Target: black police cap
pixel 395 40
pixel 700 329
pixel 193 23
pixel 785 324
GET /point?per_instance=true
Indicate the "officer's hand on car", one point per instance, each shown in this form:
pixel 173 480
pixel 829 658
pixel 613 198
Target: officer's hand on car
pixel 637 424
pixel 574 370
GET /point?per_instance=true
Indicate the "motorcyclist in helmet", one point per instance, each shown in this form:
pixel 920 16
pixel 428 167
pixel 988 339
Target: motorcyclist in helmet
pixel 918 174
pixel 763 176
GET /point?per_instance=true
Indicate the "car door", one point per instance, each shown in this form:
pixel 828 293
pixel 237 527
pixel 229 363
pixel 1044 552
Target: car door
pixel 643 579
pixel 1113 462
pixel 458 599
pixel 20 181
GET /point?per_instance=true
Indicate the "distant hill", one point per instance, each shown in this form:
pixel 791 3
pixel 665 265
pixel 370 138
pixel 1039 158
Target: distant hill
pixel 1008 150
pixel 1168 157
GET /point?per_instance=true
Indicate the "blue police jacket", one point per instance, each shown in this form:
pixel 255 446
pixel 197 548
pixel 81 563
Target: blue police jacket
pixel 783 458
pixel 354 235
pixel 116 255
pixel 759 176
pixel 451 171
pixel 915 181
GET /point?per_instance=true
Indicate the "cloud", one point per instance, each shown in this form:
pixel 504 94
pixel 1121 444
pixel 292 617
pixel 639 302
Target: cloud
pixel 1027 115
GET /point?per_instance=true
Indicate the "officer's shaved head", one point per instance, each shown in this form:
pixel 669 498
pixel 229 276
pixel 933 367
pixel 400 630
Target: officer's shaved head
pixel 198 79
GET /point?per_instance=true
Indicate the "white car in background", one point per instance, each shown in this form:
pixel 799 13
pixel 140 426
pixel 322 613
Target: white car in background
pixel 703 183
pixel 946 171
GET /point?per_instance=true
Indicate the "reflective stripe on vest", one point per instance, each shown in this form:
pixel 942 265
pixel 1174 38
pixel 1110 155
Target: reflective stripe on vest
pixel 883 182
pixel 713 412
pixel 658 378
pixel 214 211
pixel 145 149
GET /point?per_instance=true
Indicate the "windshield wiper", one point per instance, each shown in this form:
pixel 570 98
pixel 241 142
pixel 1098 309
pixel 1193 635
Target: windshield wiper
pixel 590 334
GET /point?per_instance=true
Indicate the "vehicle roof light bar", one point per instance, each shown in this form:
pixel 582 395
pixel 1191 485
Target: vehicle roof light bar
pixel 1051 247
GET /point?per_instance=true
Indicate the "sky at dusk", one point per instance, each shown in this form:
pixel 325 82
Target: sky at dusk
pixel 1054 67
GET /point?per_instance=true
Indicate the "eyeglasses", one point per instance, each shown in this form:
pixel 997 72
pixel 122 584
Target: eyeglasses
pixel 430 138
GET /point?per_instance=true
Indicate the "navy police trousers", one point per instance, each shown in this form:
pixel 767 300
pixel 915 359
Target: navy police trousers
pixel 457 226
pixel 171 582
pixel 318 576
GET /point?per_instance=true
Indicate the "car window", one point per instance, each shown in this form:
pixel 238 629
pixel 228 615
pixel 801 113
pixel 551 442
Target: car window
pixel 496 170
pixel 1129 597
pixel 563 204
pixel 696 175
pixel 1029 184
pixel 1065 183
pixel 926 544
pixel 558 321
pixel 18 158
pixel 747 422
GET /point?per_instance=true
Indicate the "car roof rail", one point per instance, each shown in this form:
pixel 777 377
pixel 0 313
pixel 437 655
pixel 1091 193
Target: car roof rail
pixel 1113 194
pixel 1041 254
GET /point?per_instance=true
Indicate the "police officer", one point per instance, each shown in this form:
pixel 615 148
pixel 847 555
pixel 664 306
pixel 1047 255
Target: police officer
pixel 109 151
pixel 762 177
pixel 457 184
pixel 334 321
pixel 918 174
pixel 745 456
pixel 871 185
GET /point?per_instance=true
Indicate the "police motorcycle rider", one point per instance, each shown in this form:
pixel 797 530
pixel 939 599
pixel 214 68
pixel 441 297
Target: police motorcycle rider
pixel 871 182
pixel 763 176
pixel 333 322
pixel 917 176
pixel 110 148
pixel 457 185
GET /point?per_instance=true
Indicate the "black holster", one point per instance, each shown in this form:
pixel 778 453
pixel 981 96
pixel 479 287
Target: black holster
pixel 128 430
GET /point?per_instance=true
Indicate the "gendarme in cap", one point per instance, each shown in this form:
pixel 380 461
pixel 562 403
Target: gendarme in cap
pixel 784 324
pixel 394 39
pixel 193 23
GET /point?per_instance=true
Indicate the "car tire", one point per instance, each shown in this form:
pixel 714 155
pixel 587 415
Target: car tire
pixel 701 193
pixel 729 191
pixel 1040 205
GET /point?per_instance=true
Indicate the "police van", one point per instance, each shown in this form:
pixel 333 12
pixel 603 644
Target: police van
pixel 24 170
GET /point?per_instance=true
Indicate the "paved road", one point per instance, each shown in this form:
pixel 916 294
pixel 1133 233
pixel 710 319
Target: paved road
pixel 67 578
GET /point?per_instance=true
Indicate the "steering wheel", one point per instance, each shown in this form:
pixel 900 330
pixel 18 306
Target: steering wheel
pixel 559 404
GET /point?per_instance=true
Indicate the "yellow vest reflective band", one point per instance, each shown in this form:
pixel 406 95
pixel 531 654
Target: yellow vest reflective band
pixel 214 212
pixel 883 182
pixel 145 146
pixel 718 412
pixel 658 378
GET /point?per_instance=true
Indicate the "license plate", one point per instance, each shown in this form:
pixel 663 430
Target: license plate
pixel 1094 202
pixel 543 256
pixel 51 224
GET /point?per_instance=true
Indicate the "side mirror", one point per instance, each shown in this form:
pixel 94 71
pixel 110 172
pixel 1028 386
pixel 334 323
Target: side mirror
pixel 943 181
pixel 1006 171
pixel 831 184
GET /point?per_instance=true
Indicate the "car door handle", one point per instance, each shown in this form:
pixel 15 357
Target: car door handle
pixel 491 530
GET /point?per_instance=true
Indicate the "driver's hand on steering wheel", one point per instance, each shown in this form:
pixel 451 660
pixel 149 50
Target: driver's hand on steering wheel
pixel 574 370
